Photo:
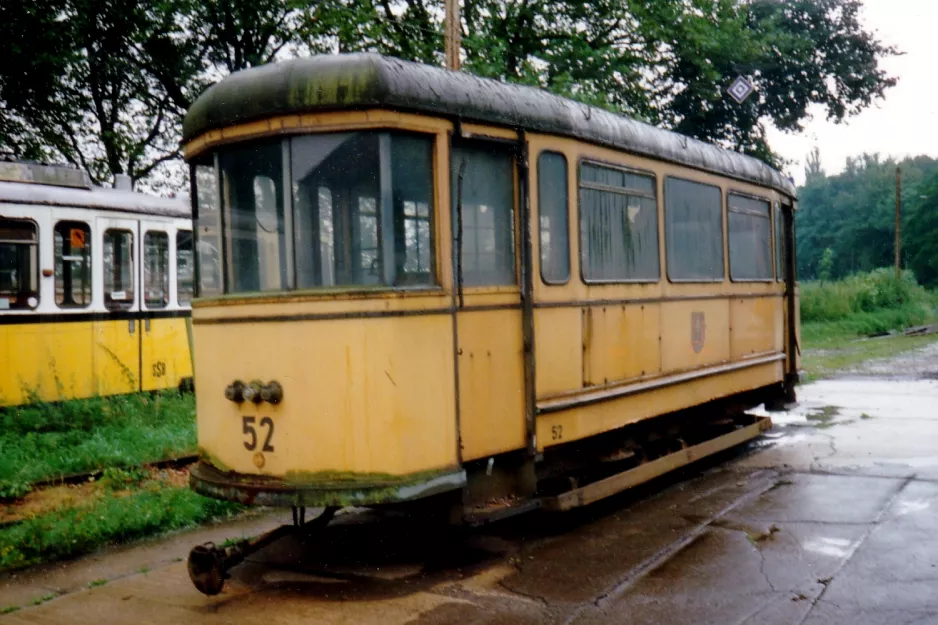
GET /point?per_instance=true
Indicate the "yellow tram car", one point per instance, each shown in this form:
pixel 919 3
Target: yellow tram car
pixel 95 287
pixel 436 287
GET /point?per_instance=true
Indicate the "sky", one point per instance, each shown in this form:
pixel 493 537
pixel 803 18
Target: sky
pixel 905 123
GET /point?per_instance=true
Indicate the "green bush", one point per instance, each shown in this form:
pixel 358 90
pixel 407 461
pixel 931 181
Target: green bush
pixel 871 292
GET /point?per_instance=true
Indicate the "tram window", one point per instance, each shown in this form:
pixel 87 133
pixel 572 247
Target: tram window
pixel 255 236
pixel 618 225
pixel 779 244
pixel 554 230
pixel 349 217
pixel 488 241
pixel 118 269
pixel 694 226
pixel 156 269
pixel 19 265
pixel 72 241
pixel 208 229
pixel 184 267
pixel 750 238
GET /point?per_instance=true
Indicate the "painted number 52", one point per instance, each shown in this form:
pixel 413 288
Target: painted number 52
pixel 247 427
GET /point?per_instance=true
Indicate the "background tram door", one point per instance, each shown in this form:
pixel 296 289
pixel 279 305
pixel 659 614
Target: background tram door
pixel 116 355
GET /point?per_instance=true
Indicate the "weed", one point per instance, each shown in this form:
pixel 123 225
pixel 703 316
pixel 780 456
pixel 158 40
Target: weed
pixel 110 518
pixel 44 598
pixel 14 490
pixel 115 478
pixel 865 416
pixel 96 583
pixel 9 609
pixel 143 570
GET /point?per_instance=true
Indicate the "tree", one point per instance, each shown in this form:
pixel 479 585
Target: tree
pixel 812 168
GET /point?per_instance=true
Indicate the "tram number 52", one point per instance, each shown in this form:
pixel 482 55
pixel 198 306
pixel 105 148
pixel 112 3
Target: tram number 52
pixel 247 427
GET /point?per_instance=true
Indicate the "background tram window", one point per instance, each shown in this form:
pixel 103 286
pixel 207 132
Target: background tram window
pixel 72 241
pixel 118 269
pixel 618 225
pixel 750 238
pixel 184 266
pixel 488 242
pixel 694 226
pixel 156 269
pixel 208 228
pixel 554 238
pixel 19 265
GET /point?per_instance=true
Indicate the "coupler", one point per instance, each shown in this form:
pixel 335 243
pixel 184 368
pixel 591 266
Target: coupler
pixel 209 565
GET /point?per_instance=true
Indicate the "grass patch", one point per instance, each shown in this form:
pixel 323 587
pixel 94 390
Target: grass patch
pixel 846 353
pixel 110 517
pixel 41 441
pixel 9 609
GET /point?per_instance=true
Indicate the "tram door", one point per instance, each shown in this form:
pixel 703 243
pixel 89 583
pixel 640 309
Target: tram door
pixel 162 334
pixel 488 317
pixel 116 333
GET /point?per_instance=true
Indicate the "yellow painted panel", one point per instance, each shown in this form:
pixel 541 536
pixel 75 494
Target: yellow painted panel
pixel 491 382
pixel 116 356
pixel 754 325
pixel 360 396
pixel 558 350
pixel 165 357
pixel 622 342
pixel 583 421
pixel 51 360
pixel 679 350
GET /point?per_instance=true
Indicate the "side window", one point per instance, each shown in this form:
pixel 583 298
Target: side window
pixel 156 269
pixel 412 188
pixel 184 266
pixel 554 232
pixel 72 264
pixel 750 236
pixel 19 265
pixel 487 201
pixel 780 262
pixel 208 229
pixel 118 269
pixel 694 226
pixel 618 225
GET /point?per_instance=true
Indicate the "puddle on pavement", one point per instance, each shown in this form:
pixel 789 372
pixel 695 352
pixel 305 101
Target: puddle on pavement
pixel 833 547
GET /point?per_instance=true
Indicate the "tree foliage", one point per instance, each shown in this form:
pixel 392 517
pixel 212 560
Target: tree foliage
pixel 846 223
pixel 103 83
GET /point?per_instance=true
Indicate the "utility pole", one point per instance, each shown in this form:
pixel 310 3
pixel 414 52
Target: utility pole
pixel 451 34
pixel 898 212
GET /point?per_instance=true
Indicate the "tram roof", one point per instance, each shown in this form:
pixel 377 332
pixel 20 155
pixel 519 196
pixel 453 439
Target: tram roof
pixel 94 198
pixel 367 80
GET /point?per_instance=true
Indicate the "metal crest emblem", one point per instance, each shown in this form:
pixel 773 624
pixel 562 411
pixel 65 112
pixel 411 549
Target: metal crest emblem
pixel 698 331
pixel 741 89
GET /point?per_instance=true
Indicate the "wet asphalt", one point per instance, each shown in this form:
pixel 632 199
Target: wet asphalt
pixel 832 517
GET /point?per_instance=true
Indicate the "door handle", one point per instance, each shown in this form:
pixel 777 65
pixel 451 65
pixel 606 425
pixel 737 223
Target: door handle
pixel 146 324
pixel 131 326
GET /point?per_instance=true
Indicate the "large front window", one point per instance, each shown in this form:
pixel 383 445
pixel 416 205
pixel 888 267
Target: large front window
pixel 329 210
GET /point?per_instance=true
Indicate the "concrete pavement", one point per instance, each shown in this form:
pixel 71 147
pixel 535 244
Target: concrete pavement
pixel 831 518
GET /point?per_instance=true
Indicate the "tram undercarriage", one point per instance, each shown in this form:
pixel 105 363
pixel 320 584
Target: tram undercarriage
pixel 560 479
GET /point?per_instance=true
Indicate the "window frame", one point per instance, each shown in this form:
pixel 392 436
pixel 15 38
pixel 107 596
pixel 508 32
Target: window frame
pixel 508 148
pixel 89 231
pixel 168 270
pixel 729 248
pixel 108 300
pixel 723 240
pixel 540 231
pixel 778 240
pixel 598 187
pixel 191 233
pixel 38 272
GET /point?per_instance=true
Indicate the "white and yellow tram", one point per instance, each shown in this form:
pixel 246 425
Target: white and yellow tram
pixel 95 287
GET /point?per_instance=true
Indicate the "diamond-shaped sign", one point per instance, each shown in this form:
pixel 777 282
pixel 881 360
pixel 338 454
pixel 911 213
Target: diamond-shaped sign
pixel 741 89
